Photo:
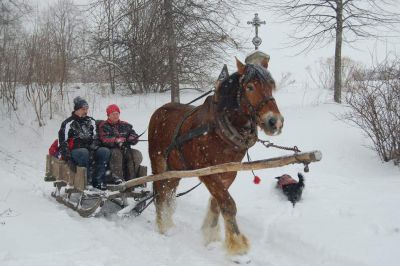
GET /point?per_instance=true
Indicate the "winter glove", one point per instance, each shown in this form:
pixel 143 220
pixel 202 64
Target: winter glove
pixel 133 139
pixel 120 141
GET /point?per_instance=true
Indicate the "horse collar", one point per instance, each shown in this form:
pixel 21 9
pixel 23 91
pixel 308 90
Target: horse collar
pixel 228 133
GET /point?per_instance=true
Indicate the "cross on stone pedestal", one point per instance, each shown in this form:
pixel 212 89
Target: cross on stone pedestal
pixel 256 22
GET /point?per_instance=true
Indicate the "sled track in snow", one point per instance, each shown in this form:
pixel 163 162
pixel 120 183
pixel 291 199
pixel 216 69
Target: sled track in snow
pixel 29 173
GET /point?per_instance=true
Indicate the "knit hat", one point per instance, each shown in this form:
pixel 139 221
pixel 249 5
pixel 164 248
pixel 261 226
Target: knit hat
pixel 112 108
pixel 80 103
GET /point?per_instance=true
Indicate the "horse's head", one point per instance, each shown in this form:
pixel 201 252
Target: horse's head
pixel 256 85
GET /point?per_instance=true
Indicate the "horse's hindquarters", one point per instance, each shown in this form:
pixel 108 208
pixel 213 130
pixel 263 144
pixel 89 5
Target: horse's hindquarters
pixel 161 130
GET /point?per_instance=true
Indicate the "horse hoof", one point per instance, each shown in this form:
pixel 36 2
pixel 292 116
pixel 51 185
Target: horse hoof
pixel 241 259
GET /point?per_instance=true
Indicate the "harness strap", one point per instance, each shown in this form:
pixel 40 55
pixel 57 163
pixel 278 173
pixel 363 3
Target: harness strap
pixel 194 133
pixel 228 133
pixel 263 102
pixel 178 144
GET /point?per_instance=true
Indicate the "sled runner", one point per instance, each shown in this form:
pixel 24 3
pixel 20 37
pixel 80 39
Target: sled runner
pixel 71 190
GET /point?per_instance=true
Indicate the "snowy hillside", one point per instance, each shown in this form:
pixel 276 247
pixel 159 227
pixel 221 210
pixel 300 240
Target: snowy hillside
pixel 349 214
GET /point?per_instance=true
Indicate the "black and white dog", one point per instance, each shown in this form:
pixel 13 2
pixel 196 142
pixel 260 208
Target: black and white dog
pixel 291 187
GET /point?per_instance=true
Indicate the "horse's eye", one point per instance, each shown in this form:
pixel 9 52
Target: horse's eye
pixel 250 88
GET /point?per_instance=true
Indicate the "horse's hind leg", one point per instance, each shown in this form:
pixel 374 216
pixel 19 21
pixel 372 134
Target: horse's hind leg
pixel 235 242
pixel 165 191
pixel 210 228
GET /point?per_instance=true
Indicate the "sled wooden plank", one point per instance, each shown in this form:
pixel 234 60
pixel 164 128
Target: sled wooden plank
pixel 80 178
pixel 48 176
pixel 59 170
pixel 302 157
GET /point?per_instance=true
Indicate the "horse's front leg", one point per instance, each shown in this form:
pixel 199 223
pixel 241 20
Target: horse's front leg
pixel 235 242
pixel 210 228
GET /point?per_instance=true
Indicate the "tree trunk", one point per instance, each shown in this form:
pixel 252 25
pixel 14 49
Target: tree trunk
pixel 338 52
pixel 173 68
pixel 110 46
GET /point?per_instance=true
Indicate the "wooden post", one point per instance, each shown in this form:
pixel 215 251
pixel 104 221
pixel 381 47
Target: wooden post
pixel 301 157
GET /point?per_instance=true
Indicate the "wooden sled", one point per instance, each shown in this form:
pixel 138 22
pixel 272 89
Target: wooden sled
pixel 70 190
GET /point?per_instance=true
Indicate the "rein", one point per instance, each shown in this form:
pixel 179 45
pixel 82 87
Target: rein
pixel 201 96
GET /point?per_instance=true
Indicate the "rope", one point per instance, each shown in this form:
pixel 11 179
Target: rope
pixel 249 160
pixel 147 205
pixel 151 198
pixel 184 193
pixel 201 96
pixel 142 132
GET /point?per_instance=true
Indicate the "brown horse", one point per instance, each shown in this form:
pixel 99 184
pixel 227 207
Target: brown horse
pixel 218 131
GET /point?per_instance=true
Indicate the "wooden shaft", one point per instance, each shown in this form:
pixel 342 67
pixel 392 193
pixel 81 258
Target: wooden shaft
pixel 301 157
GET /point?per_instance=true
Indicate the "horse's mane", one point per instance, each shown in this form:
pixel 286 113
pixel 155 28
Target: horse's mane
pixel 257 72
pixel 227 93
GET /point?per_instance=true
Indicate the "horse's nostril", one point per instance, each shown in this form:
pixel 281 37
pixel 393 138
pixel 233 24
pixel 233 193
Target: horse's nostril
pixel 272 121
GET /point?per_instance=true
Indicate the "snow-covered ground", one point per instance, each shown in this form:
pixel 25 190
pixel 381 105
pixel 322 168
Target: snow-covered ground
pixel 349 214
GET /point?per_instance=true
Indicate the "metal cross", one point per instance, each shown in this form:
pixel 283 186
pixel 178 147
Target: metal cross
pixel 256 22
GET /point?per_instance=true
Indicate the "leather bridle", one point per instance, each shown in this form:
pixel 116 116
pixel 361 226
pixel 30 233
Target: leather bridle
pixel 254 110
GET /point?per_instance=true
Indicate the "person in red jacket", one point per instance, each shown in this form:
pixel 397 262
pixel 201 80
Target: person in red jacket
pixel 118 136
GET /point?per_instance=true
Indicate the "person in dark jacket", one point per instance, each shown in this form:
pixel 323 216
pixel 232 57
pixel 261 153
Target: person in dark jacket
pixel 119 136
pixel 78 139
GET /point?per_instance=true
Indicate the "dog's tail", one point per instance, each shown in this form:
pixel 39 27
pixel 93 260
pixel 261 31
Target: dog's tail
pixel 301 178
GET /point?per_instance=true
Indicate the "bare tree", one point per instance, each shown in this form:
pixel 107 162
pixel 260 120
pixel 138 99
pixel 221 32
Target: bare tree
pixel 192 37
pixel 11 35
pixel 319 22
pixel 63 19
pixel 322 72
pixel 172 53
pixel 42 72
pixel 103 50
pixel 107 48
pixel 374 102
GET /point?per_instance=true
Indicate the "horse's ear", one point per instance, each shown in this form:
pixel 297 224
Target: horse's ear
pixel 240 66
